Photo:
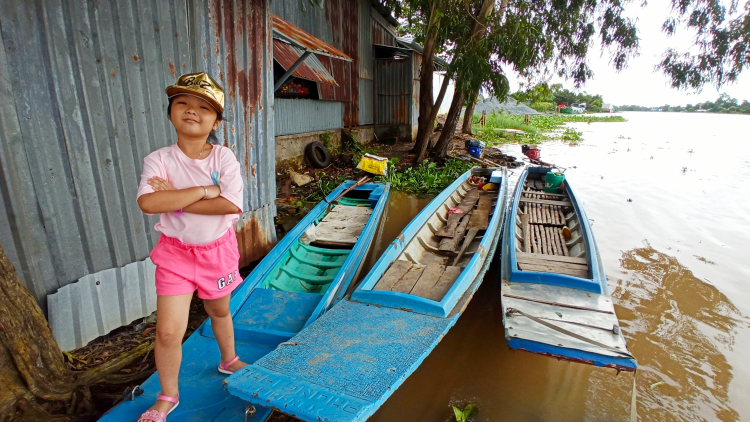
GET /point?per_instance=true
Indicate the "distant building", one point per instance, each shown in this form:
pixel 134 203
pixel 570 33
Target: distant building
pixel 608 108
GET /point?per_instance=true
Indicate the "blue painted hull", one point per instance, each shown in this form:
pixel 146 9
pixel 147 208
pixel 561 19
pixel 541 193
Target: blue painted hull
pixel 282 314
pixel 346 364
pixel 585 301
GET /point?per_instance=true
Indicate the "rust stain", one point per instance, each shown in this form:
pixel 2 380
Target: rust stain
pixel 172 69
pixel 183 65
pixel 157 29
pixel 253 170
pixel 253 242
pixel 229 47
pixel 242 85
pixel 401 113
pixel 112 73
pixel 135 58
pixel 306 39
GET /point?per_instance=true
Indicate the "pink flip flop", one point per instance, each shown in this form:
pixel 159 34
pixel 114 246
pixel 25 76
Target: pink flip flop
pixel 157 416
pixel 224 367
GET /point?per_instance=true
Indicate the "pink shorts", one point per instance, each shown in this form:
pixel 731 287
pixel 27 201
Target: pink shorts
pixel 211 268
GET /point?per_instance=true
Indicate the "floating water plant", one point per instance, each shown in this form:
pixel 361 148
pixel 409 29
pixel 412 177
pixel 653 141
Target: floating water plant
pixel 463 415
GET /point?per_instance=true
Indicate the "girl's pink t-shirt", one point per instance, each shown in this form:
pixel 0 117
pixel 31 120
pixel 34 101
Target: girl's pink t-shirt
pixel 172 165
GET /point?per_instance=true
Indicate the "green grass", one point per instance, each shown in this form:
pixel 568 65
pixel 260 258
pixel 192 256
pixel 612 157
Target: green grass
pixel 427 178
pixel 540 128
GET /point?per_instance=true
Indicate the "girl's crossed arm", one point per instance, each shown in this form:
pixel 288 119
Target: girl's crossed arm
pixel 166 198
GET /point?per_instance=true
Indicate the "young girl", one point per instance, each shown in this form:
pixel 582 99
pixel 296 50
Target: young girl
pixel 196 188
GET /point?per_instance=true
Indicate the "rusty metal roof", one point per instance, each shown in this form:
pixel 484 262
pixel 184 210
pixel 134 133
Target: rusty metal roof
pixel 311 69
pixel 295 35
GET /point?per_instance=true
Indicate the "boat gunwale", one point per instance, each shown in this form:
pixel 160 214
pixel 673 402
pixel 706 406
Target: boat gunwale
pixel 443 308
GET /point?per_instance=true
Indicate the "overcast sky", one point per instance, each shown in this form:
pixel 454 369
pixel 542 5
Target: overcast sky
pixel 639 83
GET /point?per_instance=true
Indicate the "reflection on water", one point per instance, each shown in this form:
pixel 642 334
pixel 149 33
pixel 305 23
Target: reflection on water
pixel 679 327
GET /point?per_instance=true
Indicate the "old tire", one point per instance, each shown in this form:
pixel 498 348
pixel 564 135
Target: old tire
pixel 317 154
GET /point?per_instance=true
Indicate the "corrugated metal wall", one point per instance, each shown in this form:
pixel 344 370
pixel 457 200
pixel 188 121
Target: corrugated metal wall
pixel 366 102
pixel 82 85
pixel 393 90
pixel 300 116
pixel 365 64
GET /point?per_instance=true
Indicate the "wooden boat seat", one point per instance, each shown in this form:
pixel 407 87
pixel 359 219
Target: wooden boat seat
pixel 342 226
pixel 547 202
pixel 569 265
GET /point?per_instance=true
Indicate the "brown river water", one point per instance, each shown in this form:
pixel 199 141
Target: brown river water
pixel 667 195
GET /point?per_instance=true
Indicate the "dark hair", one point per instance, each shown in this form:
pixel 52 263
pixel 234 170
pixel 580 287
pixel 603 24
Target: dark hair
pixel 219 117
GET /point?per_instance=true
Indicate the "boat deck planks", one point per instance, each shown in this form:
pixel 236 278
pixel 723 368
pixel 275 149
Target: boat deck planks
pixel 443 284
pixel 448 245
pixel 407 282
pixel 342 226
pixel 397 270
pixel 542 235
pixel 428 280
pixel 466 205
pixel 480 217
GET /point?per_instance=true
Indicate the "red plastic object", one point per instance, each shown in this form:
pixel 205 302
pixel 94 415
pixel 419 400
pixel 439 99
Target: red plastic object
pixel 533 154
pixel 455 211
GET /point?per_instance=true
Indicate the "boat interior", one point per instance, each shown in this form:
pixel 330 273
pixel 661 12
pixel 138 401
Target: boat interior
pixel 309 273
pixel 548 236
pixel 435 256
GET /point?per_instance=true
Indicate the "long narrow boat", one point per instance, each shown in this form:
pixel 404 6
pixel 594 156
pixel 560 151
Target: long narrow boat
pixel 347 363
pixel 554 293
pixel 307 272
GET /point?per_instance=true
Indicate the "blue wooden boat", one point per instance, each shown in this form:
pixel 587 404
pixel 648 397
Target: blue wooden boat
pixel 343 366
pixel 307 272
pixel 555 298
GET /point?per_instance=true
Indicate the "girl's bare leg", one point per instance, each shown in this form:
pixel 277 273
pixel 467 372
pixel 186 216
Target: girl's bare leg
pixel 172 318
pixel 221 322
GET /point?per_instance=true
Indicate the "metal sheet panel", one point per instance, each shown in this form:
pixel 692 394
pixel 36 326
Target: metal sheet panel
pixel 393 89
pixel 300 116
pixel 366 102
pixel 306 40
pixel 364 55
pixel 83 89
pixel 311 69
pixel 99 303
pixel 350 33
pixel 310 18
pixel 382 32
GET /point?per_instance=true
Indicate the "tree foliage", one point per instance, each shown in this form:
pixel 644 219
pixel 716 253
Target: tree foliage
pixel 721 46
